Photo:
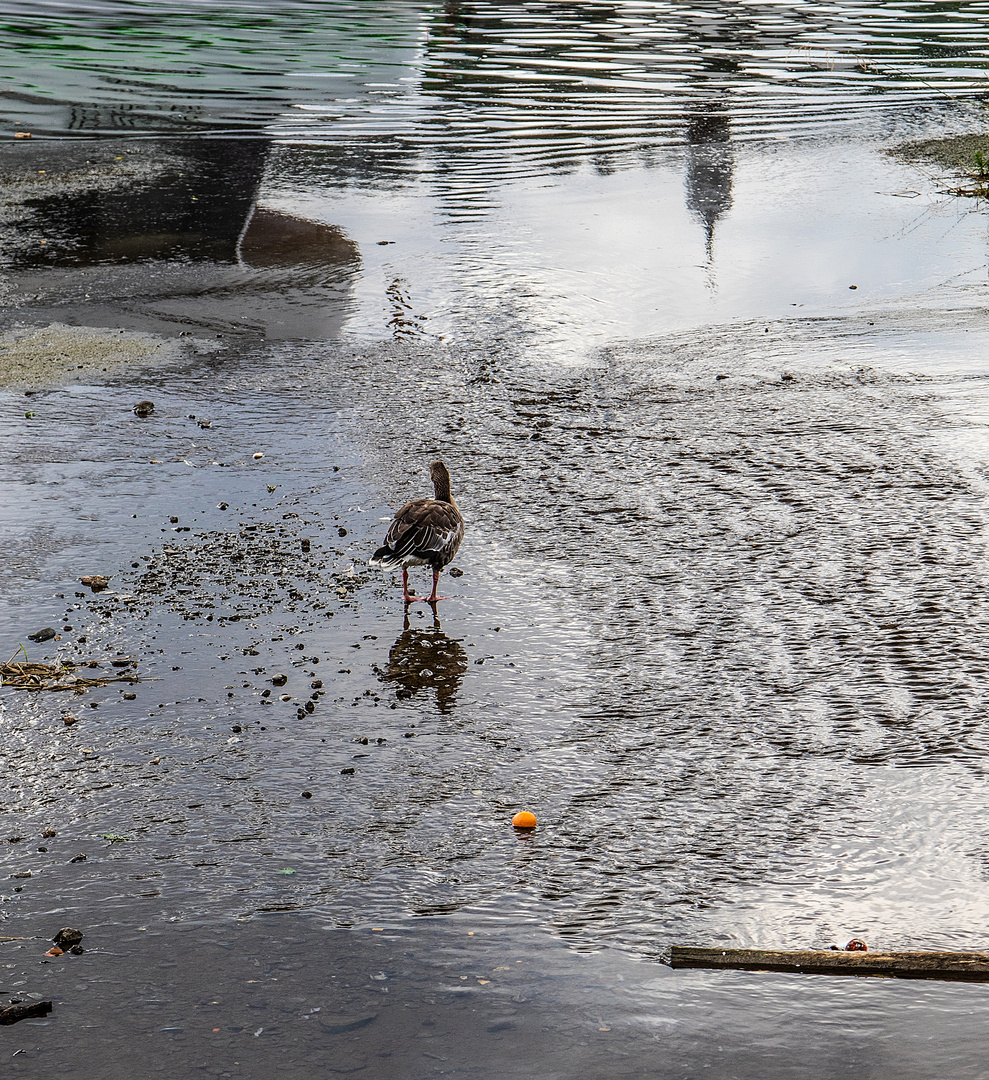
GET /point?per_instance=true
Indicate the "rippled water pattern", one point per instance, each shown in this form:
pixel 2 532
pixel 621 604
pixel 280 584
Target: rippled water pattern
pixel 722 626
pixel 544 83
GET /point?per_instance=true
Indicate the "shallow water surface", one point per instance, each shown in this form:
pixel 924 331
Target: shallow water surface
pixel 708 367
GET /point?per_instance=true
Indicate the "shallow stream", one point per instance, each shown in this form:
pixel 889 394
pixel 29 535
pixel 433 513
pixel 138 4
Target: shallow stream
pixel 708 366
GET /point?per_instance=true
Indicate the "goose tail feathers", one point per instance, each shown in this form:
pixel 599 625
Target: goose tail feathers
pixel 385 558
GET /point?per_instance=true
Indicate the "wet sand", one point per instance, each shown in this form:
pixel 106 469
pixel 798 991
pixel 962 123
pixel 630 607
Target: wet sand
pixel 49 356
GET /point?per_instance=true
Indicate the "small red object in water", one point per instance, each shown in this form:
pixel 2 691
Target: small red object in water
pixel 856 945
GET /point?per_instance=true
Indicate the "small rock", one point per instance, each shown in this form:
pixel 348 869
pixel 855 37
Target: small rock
pixel 48 833
pixel 307 794
pixel 96 582
pixel 455 571
pixel 78 858
pixel 22 134
pixel 144 408
pixel 130 696
pixel 69 721
pixel 67 937
pixel 343 772
pixel 279 680
pixel 42 635
pixel 306 545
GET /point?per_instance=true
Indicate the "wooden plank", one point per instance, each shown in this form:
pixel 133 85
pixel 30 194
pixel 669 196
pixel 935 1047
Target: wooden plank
pixel 952 966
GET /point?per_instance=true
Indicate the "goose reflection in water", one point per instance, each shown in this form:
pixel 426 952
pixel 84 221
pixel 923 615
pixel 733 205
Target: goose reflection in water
pixel 424 658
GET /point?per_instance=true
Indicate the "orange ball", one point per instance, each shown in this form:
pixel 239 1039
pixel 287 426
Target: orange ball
pixel 524 820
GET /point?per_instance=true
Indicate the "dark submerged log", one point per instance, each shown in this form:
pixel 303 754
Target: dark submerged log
pixel 950 966
pixel 26 1011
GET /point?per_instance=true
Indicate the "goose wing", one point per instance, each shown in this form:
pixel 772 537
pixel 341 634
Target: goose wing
pixel 426 529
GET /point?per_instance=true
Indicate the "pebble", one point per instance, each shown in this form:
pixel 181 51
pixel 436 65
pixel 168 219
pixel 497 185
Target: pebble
pixel 67 937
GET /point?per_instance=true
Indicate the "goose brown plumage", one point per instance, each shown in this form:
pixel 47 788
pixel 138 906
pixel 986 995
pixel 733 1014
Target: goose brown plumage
pixel 425 532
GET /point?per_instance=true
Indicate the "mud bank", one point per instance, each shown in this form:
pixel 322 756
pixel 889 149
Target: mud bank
pixel 956 153
pixel 34 357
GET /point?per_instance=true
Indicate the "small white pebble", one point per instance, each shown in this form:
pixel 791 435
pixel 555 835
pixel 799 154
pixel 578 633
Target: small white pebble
pixel 258 457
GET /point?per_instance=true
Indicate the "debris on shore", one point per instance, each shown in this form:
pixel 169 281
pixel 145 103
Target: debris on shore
pixel 60 675
pixel 24 1011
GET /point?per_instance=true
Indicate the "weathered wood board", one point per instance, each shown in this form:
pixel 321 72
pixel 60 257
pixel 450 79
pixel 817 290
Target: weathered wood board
pixel 952 966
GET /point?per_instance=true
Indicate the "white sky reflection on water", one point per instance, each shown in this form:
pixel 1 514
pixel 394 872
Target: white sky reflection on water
pixel 578 260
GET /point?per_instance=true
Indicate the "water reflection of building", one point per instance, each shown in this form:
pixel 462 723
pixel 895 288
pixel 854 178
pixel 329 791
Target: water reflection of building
pixel 424 658
pixel 576 90
pixel 710 165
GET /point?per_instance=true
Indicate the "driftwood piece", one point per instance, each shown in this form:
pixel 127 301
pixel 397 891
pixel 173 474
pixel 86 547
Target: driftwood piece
pixel 61 675
pixel 29 1009
pixel 950 966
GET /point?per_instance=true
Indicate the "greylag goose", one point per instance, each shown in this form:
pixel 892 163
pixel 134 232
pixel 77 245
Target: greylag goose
pixel 425 532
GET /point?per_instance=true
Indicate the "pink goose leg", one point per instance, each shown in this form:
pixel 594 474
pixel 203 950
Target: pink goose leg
pixel 409 598
pixel 432 598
